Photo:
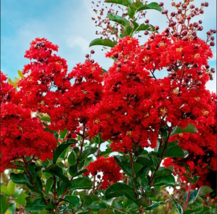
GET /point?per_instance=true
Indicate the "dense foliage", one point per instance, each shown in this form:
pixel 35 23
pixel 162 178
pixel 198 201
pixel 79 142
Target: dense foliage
pixel 116 141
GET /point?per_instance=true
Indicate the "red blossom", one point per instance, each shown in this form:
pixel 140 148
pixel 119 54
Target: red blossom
pixel 22 135
pixel 108 167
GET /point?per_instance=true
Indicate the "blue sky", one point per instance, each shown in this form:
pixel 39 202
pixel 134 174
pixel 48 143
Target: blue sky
pixel 68 24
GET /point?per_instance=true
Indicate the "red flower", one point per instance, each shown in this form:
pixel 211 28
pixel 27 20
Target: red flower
pixel 7 90
pixel 77 103
pixel 126 115
pixel 108 167
pixel 47 72
pixel 22 135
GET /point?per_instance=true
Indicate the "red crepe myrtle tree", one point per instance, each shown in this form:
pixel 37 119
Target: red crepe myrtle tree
pixel 59 129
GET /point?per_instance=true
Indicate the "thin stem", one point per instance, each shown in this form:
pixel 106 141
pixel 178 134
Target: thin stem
pixel 55 196
pixel 82 144
pixel 31 179
pixel 98 151
pixel 73 212
pixel 188 196
pixel 133 172
pixel 153 75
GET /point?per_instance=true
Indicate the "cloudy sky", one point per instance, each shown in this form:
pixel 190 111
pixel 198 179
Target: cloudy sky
pixel 68 24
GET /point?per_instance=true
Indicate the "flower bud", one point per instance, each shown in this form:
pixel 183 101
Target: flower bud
pixel 212 70
pixel 206 4
pixel 212 43
pixel 199 83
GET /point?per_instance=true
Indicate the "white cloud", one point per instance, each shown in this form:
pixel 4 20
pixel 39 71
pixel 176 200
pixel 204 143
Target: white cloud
pixel 80 42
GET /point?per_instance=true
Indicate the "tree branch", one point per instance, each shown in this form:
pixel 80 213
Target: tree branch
pixel 133 172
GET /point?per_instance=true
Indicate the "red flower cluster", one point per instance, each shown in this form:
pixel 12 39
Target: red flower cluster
pixel 127 114
pixel 173 53
pixel 45 77
pixel 201 146
pixel 49 89
pixel 109 168
pixel 22 135
pixel 134 105
pixel 77 103
pixel 7 90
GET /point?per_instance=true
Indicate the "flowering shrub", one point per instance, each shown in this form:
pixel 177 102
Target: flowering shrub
pixel 97 141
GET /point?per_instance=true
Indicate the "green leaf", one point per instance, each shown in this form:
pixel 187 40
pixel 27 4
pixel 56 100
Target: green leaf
pixel 81 183
pixel 118 19
pixel 73 170
pixel 143 160
pixel 122 2
pixel 88 161
pixel 178 207
pixel 172 150
pixel 103 42
pixel 61 186
pixel 163 172
pixel 204 190
pixel 164 180
pixel 151 6
pixel 105 211
pixel 124 164
pixel 63 134
pixel 57 171
pixel 12 208
pixel 46 119
pixel 38 183
pixel 17 192
pixel 71 199
pixel 135 25
pixel 4 189
pixel 20 179
pixel 189 129
pixel 44 212
pixel 133 8
pixel 137 167
pixel 120 189
pixel 72 158
pixel 154 156
pixel 85 199
pixel 35 207
pixel 155 205
pixel 104 71
pixel 143 27
pixel 152 192
pixel 81 172
pixel 61 148
pixel 144 201
pixel 127 31
pixel 142 180
pixel 194 210
pixel 21 199
pixel 49 184
pixel 4 203
pixel 88 152
pixel 192 197
pixel 194 179
pixel 20 74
